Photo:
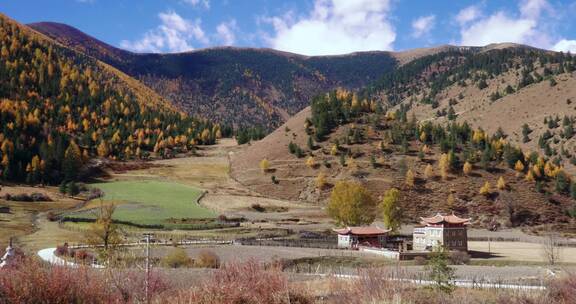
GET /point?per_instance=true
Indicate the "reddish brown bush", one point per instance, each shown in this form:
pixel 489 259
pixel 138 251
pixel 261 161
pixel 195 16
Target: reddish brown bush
pixel 62 250
pixel 248 282
pixel 31 281
pixel 563 290
pixel 51 216
pixel 82 255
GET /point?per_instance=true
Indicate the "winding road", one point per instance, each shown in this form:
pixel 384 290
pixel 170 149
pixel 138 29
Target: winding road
pixel 48 255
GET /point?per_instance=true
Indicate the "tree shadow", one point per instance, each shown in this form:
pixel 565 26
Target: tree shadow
pixel 482 255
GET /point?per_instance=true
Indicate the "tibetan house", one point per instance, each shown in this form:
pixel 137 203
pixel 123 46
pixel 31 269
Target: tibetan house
pixel 445 230
pixel 352 237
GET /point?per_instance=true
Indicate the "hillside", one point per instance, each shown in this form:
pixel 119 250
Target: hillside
pixel 510 89
pixel 60 108
pixel 378 150
pixel 240 86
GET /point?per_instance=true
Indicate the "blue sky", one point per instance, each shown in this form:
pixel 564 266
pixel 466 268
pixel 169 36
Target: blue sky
pixel 311 27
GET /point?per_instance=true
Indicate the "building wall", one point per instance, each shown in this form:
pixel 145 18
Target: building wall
pixel 453 238
pixel 456 238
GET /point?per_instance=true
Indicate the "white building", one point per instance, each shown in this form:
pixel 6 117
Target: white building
pixel 352 237
pixel 441 230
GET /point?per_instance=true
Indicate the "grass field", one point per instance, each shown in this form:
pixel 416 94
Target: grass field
pixel 149 202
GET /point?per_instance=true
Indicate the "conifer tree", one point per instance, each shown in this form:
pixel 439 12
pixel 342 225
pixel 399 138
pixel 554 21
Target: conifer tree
pixel 501 183
pixel 72 162
pixel 409 181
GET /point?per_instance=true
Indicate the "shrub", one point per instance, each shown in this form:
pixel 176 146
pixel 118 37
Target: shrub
pixel 72 188
pixel 258 207
pixel 32 281
pixel 420 260
pixel 95 193
pixel 208 259
pixel 459 257
pixel 248 282
pixel 51 216
pixel 62 188
pixel 176 258
pixel 563 290
pixel 83 255
pixel 40 197
pixel 62 250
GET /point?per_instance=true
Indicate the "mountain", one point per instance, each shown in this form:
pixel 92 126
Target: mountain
pixel 505 112
pixel 240 86
pixel 60 108
pixel 523 92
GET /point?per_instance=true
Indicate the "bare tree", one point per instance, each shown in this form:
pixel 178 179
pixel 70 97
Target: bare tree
pixel 550 247
pixel 104 232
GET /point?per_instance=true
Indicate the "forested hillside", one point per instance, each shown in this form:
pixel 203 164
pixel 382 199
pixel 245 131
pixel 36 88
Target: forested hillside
pixel 437 167
pixel 523 92
pixel 244 87
pixel 60 108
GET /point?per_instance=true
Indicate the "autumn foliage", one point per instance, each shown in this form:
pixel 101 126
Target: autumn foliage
pixel 59 108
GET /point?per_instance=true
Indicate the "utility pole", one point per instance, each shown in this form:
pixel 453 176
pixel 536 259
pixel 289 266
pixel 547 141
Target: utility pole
pixel 147 281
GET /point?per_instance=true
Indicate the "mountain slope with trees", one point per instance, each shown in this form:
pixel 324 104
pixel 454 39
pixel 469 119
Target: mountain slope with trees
pixel 437 167
pixel 60 108
pixel 523 92
pixel 241 86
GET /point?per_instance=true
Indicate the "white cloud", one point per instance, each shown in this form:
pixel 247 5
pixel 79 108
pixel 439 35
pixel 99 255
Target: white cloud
pixel 532 9
pixel 565 45
pixel 527 26
pixel 196 3
pixel 335 27
pixel 468 14
pixel 423 25
pixel 496 29
pixel 226 32
pixel 174 34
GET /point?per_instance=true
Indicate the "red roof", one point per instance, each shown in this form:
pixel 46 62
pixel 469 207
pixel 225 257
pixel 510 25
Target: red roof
pixel 367 230
pixel 450 219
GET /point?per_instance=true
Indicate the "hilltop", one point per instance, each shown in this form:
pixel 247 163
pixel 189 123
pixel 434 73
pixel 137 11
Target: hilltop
pixel 240 86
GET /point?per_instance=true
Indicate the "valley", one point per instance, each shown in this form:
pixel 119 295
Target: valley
pixel 252 175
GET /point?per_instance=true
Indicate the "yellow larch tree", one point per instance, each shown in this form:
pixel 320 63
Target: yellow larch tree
pixel 264 165
pixel 467 168
pixel 429 171
pixel 486 189
pixel 409 180
pixel 310 163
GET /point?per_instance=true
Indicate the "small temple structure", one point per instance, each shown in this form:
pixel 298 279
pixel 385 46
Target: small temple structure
pixel 449 231
pixel 352 237
pixel 8 256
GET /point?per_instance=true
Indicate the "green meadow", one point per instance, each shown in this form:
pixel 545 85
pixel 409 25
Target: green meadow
pixel 148 202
